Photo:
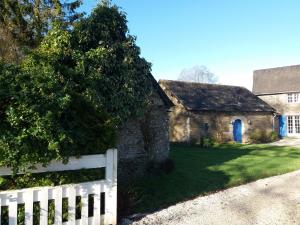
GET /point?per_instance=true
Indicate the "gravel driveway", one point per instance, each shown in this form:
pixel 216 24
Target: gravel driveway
pixel 274 201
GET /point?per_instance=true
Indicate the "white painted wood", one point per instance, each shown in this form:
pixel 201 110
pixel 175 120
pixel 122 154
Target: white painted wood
pixel 28 199
pixel 43 199
pixel 109 165
pixel 111 189
pixel 58 205
pixel 85 162
pixel 84 206
pixel 97 202
pixel 71 205
pixel 43 194
pixel 13 208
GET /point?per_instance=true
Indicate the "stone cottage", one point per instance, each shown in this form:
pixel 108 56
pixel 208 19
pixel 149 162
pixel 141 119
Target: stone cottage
pixel 280 88
pixel 219 111
pixel 145 138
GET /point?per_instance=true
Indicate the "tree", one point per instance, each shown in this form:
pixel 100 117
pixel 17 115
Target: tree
pixel 69 95
pixel 198 74
pixel 26 22
pixel 9 48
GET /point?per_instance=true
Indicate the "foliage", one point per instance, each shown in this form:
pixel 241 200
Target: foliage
pixel 198 74
pixel 201 171
pixel 69 95
pixel 23 24
pixel 109 50
pixel 206 142
pixel 50 179
pixel 262 136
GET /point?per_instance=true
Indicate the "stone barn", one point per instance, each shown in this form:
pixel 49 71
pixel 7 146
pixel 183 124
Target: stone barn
pixel 145 138
pixel 225 113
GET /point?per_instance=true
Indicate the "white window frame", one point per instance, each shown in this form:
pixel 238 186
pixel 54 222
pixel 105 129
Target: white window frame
pixel 293 125
pixel 290 98
pixel 293 98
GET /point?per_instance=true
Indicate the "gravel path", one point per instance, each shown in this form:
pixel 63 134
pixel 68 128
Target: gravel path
pixel 288 141
pixel 274 201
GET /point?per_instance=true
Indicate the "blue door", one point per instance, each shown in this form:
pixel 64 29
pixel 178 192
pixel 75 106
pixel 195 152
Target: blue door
pixel 282 125
pixel 237 130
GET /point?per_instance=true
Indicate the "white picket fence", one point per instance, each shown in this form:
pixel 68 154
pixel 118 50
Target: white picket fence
pixel 89 190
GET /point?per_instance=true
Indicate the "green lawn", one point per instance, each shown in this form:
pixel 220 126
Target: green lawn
pixel 202 171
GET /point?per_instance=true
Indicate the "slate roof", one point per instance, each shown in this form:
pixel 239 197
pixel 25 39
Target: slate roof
pixel 168 103
pixel 213 97
pixel 276 80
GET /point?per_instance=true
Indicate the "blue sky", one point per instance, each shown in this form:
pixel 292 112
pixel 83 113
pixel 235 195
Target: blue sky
pixel 231 37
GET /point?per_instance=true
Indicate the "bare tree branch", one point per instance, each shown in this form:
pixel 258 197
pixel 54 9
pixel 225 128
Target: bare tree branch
pixel 198 74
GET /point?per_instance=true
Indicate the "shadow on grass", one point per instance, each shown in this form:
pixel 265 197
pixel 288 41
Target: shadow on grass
pixel 201 171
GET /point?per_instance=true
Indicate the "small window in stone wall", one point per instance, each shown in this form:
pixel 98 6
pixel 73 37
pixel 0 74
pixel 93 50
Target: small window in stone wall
pixel 294 97
pixel 290 98
pixel 206 127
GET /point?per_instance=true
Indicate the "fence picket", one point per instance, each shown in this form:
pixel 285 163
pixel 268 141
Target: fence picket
pixel 13 208
pixel 71 205
pixel 85 206
pixel 111 188
pixel 97 202
pixel 58 205
pixel 28 199
pixel 44 206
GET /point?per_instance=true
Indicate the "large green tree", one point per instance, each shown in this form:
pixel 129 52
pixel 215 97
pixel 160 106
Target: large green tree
pixel 69 96
pixel 24 23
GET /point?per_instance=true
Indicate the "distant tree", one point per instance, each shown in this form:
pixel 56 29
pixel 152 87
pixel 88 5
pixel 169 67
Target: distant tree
pixel 198 74
pixel 24 23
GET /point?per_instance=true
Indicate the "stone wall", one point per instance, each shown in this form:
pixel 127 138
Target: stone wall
pixel 191 126
pixel 281 104
pixel 143 139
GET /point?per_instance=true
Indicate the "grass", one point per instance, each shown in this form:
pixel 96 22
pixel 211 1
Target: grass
pixel 203 171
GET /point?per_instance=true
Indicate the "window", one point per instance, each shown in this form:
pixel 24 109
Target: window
pixel 293 125
pixel 297 124
pixel 290 124
pixel 294 97
pixel 290 97
pixel 206 127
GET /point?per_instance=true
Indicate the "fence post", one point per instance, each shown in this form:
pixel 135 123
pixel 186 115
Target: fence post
pixel 111 191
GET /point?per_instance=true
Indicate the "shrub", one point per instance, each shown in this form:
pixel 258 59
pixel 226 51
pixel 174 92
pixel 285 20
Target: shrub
pixel 273 136
pixel 207 142
pixel 262 136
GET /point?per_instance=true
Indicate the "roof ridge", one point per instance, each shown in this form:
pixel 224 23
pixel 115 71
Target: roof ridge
pixel 197 83
pixel 277 67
